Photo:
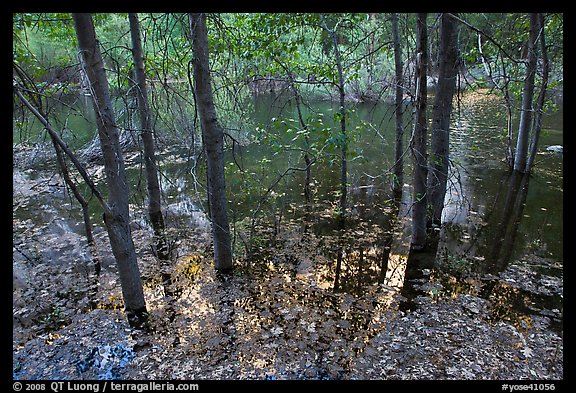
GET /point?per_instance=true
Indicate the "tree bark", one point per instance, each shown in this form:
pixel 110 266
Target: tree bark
pixel 527 97
pixel 213 137
pixel 398 181
pixel 147 133
pixel 418 143
pixel 307 161
pixel 83 203
pixel 537 123
pixel 60 151
pixel 343 138
pixel 117 219
pixel 440 139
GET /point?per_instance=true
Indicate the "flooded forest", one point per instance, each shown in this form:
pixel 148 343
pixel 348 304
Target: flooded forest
pixel 287 196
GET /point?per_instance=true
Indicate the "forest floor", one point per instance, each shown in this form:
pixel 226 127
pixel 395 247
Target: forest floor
pixel 275 320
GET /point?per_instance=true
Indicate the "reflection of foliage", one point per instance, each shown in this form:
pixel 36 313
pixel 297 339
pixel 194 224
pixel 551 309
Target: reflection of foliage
pixel 188 267
pixel 457 265
pixel 508 303
pixel 451 286
pixel 113 302
pixel 538 247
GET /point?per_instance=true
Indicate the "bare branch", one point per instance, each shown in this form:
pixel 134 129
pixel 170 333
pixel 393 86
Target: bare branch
pixel 489 38
pixel 54 135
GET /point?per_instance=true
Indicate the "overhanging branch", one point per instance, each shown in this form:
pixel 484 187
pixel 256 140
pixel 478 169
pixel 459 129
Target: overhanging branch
pixel 55 137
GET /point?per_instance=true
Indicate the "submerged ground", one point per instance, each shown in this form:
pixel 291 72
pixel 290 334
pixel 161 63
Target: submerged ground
pixel 279 318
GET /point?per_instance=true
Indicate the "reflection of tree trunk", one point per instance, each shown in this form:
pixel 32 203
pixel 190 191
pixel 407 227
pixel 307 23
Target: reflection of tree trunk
pixel 308 178
pixel 388 238
pixel 416 262
pixel 502 241
pixel 338 269
pixel 418 144
pixel 83 204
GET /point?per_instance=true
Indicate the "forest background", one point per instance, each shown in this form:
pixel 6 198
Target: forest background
pixel 179 88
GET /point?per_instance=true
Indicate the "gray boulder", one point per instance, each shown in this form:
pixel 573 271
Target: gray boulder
pixel 556 149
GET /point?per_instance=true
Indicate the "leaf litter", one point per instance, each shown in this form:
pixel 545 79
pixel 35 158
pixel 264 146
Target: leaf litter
pixel 279 320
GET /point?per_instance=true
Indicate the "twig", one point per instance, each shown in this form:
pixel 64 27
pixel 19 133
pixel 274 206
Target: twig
pixel 66 150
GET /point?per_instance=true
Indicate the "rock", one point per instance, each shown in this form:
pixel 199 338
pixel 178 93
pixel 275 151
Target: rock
pixel 556 149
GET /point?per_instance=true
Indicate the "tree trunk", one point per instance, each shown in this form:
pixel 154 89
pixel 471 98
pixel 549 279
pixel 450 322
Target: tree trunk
pixel 398 181
pixel 440 139
pixel 117 219
pixel 83 203
pixel 527 97
pixel 307 161
pixel 147 133
pixel 509 129
pixel 343 139
pixel 418 143
pixel 537 123
pixel 213 137
pixel 342 115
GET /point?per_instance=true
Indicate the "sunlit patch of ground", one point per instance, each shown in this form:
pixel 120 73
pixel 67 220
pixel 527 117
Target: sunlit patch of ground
pixel 276 318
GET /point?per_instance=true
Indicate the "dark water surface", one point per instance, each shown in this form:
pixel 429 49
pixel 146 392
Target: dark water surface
pixel 491 222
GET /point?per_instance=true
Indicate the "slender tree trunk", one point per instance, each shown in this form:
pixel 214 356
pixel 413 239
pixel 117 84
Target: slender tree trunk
pixel 83 204
pixel 154 204
pixel 509 128
pixel 537 124
pixel 213 137
pixel 440 138
pixel 418 143
pixel 527 97
pixel 342 115
pixel 307 161
pixel 343 139
pixel 487 69
pixel 399 112
pixel 117 219
pixel 147 133
pixel 61 150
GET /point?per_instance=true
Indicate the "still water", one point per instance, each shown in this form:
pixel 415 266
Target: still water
pixel 490 221
pixel 479 177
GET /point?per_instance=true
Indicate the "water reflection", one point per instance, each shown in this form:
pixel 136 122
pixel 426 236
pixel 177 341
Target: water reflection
pixel 491 220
